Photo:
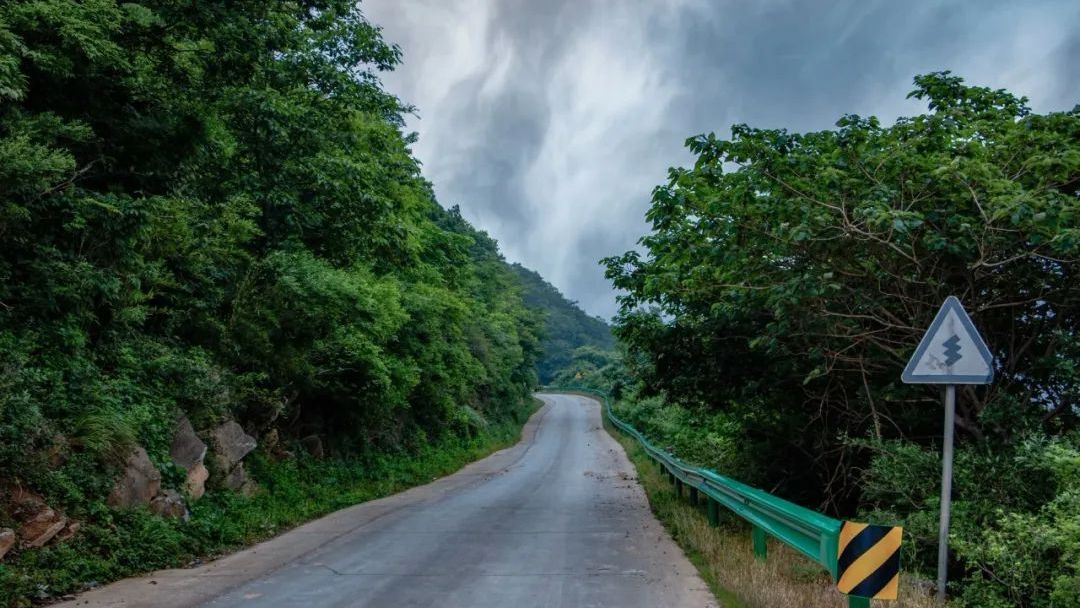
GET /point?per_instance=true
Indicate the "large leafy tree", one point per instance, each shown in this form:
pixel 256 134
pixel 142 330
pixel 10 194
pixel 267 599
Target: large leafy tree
pixel 788 277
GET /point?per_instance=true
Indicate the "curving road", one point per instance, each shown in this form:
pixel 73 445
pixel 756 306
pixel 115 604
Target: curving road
pixel 557 520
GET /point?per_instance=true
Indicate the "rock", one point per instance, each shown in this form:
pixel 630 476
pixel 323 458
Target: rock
pixel 188 452
pixel 39 522
pixel 236 478
pixel 170 504
pixel 313 445
pixel 187 449
pixel 7 541
pixel 139 483
pixel 231 444
pixel 239 481
pixel 195 486
pixel 71 529
pixel 41 528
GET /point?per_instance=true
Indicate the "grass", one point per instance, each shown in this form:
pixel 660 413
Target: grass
pixel 116 544
pixel 724 555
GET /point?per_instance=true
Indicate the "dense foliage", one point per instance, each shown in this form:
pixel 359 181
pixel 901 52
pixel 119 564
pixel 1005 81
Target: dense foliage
pixel 566 326
pixel 210 208
pixel 788 276
pixel 596 369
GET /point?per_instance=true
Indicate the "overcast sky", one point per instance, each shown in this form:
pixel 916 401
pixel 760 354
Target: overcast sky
pixel 550 121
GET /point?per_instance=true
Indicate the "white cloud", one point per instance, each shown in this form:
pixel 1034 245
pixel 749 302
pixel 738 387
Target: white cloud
pixel 550 121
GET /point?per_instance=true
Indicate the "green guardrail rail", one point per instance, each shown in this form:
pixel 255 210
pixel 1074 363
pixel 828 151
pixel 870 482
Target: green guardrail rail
pixel 814 535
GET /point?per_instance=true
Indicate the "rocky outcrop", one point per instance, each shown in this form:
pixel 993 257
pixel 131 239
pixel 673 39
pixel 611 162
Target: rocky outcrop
pixel 7 541
pixel 42 528
pixel 170 504
pixel 188 452
pixel 39 523
pixel 231 444
pixel 138 485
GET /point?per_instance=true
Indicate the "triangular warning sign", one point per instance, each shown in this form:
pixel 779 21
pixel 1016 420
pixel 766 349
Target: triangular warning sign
pixel 951 352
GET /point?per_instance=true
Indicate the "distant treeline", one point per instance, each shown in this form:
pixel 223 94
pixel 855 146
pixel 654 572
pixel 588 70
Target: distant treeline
pixel 566 326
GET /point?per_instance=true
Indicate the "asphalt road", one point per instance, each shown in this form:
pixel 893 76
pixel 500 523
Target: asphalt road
pixel 555 521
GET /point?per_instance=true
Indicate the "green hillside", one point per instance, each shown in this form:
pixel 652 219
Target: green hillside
pixel 214 234
pixel 567 327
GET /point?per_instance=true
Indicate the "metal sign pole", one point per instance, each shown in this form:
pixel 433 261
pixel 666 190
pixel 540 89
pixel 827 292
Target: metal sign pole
pixel 951 352
pixel 946 491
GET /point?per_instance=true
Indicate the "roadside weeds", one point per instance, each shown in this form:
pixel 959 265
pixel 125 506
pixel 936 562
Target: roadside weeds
pixel 724 555
pixel 292 492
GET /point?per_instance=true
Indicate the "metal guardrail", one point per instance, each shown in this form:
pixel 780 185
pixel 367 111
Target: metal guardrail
pixel 814 535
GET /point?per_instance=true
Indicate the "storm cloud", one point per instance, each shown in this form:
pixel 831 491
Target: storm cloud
pixel 550 121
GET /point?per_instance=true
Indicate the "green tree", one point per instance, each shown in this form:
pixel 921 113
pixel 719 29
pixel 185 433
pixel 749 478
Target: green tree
pixel 788 277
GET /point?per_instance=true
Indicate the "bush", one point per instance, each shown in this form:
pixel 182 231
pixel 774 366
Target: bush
pixel 1015 534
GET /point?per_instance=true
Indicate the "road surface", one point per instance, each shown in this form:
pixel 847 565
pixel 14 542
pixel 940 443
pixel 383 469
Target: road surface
pixel 556 521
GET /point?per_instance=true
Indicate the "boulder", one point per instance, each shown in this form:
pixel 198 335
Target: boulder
pixel 187 449
pixel 170 504
pixel 7 541
pixel 313 445
pixel 39 523
pixel 236 478
pixel 231 444
pixel 139 483
pixel 41 528
pixel 195 485
pixel 188 452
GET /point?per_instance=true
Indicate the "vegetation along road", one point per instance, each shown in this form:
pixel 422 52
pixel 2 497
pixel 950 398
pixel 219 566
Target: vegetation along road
pixel 248 295
pixel 557 520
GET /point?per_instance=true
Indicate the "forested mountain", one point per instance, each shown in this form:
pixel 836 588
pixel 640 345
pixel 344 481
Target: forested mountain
pixel 566 326
pixel 210 210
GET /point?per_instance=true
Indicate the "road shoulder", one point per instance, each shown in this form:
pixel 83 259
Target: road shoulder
pixel 188 587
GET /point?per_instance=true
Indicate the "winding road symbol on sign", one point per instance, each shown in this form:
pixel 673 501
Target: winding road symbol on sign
pixel 951 352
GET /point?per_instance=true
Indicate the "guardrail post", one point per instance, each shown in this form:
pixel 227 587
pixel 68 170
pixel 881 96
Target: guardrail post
pixel 714 513
pixel 761 546
pixel 858 602
pixel 678 487
pixel 693 495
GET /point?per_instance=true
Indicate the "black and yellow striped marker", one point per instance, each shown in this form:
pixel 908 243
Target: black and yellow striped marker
pixel 869 562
